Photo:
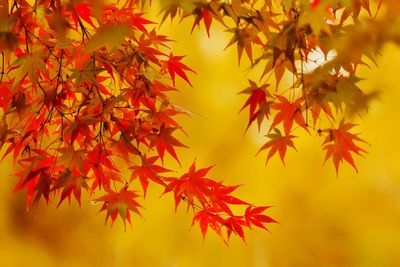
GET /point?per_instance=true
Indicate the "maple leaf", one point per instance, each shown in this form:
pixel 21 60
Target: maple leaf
pixel 169 10
pixel 98 160
pixel 220 197
pixel 235 9
pixel 258 97
pixel 85 75
pixel 172 7
pixel 289 112
pixel 165 141
pixel 347 94
pixel 245 38
pixel 84 12
pixel 316 99
pixel 120 203
pixel 148 171
pixel 254 216
pixel 72 182
pixel 164 115
pixel 340 143
pixel 207 218
pixel 108 36
pixel 215 9
pixel 278 143
pixel 157 40
pixel 41 188
pixel 202 14
pixel 353 8
pixel 36 187
pixel 235 224
pixel 191 185
pixel 37 167
pixel 35 178
pixel 174 66
pixel 138 22
pixel 29 64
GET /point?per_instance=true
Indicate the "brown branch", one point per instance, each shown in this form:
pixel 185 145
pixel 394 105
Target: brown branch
pixel 2 67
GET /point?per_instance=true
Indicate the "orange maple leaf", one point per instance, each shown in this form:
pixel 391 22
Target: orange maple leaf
pixel 120 203
pixel 146 171
pixel 289 112
pixel 278 143
pixel 340 143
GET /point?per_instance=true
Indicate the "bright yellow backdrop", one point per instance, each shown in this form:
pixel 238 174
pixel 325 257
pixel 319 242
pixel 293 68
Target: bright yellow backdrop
pixel 353 220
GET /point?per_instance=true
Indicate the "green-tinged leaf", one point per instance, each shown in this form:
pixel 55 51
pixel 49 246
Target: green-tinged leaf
pixel 29 64
pixel 87 74
pixel 108 36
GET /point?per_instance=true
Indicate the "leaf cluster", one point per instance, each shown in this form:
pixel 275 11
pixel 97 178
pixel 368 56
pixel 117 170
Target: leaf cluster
pixel 84 98
pixel 318 45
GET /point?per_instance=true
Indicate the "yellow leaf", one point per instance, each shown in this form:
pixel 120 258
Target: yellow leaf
pixel 29 64
pixel 109 36
pixel 41 13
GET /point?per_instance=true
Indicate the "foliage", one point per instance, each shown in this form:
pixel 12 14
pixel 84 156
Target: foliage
pixel 283 38
pixel 85 91
pixel 85 97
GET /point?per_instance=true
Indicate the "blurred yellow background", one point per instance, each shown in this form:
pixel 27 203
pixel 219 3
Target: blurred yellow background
pixel 353 220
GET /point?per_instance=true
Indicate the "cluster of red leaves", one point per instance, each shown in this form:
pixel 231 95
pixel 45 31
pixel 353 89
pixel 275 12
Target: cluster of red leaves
pixel 285 36
pixel 212 199
pixel 84 97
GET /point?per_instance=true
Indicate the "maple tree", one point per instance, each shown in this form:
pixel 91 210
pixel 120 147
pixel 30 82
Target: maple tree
pixel 85 95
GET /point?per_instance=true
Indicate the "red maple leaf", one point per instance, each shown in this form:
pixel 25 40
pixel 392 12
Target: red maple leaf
pixel 138 22
pixel 175 66
pixel 220 198
pixel 204 15
pixel 258 97
pixel 192 185
pixel 165 141
pixel 235 224
pixel 34 176
pixel 72 182
pixel 254 216
pixel 84 12
pixel 208 218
